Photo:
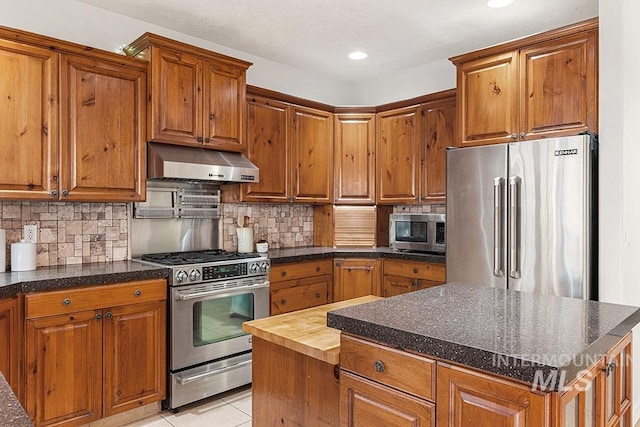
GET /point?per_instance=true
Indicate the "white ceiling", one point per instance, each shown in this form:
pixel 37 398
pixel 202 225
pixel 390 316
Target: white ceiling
pixel 318 34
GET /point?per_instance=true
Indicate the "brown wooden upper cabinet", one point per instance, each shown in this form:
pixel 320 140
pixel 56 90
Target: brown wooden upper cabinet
pixel 354 167
pixel 197 97
pixel 98 100
pixel 539 87
pixel 411 150
pixel 293 148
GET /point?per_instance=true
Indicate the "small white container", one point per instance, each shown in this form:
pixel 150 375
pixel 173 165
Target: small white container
pixel 262 247
pixel 245 239
pixel 23 256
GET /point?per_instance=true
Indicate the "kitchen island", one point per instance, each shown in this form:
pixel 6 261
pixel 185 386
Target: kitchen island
pixel 481 356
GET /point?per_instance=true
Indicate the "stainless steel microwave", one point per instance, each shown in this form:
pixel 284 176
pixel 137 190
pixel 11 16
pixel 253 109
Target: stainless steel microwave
pixel 417 232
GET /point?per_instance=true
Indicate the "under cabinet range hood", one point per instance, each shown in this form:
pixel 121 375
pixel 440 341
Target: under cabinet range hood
pixel 181 163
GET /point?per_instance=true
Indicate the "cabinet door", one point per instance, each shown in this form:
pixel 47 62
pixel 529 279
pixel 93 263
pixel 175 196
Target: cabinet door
pixel 267 139
pixel 135 356
pixel 559 87
pixel 64 368
pixel 398 155
pixel 312 155
pixel 28 129
pixel 355 278
pixel 224 107
pixel 176 101
pixel 617 379
pixel 397 285
pixel 354 169
pixel 488 100
pixel 366 403
pixel 580 405
pixel 299 294
pixel 103 122
pixel 468 398
pixel 439 125
pixel 10 343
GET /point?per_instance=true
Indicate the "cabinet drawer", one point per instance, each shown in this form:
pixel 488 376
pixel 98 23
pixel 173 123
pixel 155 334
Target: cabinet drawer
pixel 403 371
pixel 300 270
pixel 91 298
pixel 298 297
pixel 413 269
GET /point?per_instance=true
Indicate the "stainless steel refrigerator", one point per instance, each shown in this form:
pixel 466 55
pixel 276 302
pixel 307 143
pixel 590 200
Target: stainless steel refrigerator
pixel 523 216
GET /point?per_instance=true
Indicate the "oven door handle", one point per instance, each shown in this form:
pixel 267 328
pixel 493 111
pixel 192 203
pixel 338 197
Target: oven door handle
pixel 200 294
pixel 182 381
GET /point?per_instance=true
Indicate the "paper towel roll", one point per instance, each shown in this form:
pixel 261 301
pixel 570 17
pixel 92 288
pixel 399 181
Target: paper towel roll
pixel 3 251
pixel 23 256
pixel 245 239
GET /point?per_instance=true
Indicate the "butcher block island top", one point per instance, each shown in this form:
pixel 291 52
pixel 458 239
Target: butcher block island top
pixel 305 331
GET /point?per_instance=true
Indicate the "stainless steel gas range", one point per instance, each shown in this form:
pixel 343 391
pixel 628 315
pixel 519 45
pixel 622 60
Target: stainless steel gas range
pixel 211 293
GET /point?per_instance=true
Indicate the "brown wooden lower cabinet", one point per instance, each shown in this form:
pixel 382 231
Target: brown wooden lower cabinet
pixel 400 276
pixel 300 285
pixel 87 359
pixel 384 386
pixel 355 277
pixel 11 343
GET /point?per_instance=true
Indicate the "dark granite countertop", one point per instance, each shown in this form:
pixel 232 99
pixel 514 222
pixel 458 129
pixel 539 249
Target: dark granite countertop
pixel 67 276
pixel 501 331
pixel 310 253
pixel 12 414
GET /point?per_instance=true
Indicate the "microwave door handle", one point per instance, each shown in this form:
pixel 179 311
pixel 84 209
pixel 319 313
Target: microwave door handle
pixel 497 226
pixel 201 294
pixel 514 235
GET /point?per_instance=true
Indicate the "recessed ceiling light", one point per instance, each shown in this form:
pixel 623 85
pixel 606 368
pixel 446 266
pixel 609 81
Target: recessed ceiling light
pixel 499 3
pixel 357 55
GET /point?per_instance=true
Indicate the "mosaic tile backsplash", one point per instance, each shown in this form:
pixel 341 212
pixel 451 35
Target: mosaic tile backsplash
pixel 70 233
pixel 76 233
pixel 283 225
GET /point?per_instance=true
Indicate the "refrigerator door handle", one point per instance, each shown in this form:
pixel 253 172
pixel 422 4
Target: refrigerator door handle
pixel 497 226
pixel 514 235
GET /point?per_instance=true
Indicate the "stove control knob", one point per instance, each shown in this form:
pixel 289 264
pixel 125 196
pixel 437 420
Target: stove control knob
pixel 264 267
pixel 181 276
pixel 194 274
pixel 253 268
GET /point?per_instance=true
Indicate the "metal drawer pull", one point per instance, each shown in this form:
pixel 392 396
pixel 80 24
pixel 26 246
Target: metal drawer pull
pixel 318 294
pixel 378 365
pixel 367 269
pixel 98 316
pixel 180 380
pixel 108 315
pixel 66 302
pixel 137 292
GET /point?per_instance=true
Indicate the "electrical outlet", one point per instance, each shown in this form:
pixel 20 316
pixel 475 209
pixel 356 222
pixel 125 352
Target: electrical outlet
pixel 31 233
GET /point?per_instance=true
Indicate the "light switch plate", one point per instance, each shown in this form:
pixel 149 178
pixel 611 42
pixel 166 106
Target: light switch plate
pixel 31 233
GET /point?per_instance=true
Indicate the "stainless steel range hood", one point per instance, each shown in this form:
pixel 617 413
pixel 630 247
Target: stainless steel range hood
pixel 181 163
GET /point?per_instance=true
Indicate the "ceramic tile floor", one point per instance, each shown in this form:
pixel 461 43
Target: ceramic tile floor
pixel 231 409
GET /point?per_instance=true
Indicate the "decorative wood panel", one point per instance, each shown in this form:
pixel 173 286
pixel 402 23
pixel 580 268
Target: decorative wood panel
pixel 11 343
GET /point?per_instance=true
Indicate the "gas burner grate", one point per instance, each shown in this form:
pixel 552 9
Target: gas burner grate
pixel 196 257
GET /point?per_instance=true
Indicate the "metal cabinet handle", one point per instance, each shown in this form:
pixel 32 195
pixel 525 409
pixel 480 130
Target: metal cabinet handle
pixel 283 301
pixel 415 271
pixel 137 292
pixel 283 273
pixel 212 116
pixel 497 226
pixel 514 235
pixel 207 140
pixel 318 294
pixel 66 302
pixel 65 193
pixel 378 366
pixel 54 193
pixel 98 316
pixel 317 268
pixel 609 368
pixel 108 315
pixel 522 135
pixel 199 138
pixel 514 136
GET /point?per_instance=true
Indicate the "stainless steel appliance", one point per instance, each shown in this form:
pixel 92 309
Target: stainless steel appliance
pixel 417 232
pixel 212 292
pixel 523 216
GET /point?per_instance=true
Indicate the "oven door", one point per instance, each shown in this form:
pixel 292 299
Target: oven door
pixel 206 319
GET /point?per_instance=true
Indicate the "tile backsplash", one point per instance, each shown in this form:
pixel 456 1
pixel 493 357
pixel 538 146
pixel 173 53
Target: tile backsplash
pixel 70 233
pixel 284 225
pixel 76 233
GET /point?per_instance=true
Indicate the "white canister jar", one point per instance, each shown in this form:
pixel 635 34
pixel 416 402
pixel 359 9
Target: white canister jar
pixel 23 256
pixel 245 239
